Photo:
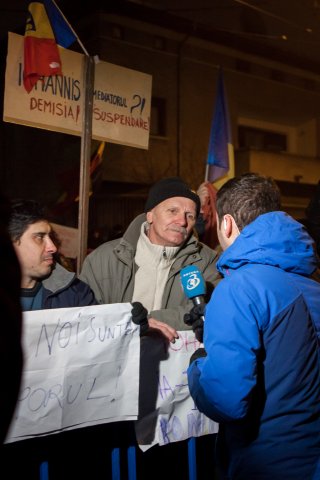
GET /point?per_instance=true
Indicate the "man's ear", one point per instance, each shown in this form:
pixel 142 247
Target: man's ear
pixel 227 225
pixel 149 217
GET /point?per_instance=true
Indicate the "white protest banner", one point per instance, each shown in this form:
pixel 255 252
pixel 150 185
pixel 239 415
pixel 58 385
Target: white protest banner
pixel 81 368
pixel 173 416
pixel 121 103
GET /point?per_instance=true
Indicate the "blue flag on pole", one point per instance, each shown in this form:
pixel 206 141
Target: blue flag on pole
pixel 62 30
pixel 220 151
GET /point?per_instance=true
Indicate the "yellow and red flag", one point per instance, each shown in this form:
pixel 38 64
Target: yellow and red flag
pixel 68 179
pixel 46 27
pixel 96 158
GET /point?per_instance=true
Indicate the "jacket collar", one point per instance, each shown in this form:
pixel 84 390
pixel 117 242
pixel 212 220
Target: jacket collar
pixel 60 278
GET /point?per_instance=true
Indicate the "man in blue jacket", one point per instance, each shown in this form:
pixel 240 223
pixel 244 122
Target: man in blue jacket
pixel 259 374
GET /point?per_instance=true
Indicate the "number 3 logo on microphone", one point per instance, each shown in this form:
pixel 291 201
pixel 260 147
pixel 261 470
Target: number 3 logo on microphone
pixel 193 281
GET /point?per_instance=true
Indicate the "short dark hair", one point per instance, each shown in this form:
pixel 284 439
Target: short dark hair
pixel 23 214
pixel 246 197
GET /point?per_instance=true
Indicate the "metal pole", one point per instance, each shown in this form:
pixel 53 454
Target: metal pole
pixel 84 182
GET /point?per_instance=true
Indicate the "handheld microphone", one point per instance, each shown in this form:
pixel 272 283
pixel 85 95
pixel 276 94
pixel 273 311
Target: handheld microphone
pixel 140 316
pixel 194 288
pixel 193 284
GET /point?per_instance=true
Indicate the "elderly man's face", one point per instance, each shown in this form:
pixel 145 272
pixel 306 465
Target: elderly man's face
pixel 171 222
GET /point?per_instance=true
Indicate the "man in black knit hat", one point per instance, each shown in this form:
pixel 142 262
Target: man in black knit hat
pixel 144 265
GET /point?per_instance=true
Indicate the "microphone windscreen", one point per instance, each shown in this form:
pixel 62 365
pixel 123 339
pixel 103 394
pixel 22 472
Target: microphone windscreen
pixel 192 281
pixel 139 313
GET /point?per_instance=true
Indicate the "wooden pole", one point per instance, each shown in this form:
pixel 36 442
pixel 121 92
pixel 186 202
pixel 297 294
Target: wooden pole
pixel 84 182
pixel 206 175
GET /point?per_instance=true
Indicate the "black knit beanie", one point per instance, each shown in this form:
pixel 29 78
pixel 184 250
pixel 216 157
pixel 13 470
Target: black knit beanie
pixel 168 188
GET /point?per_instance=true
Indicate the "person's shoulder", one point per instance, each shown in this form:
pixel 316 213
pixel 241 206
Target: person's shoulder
pixel 77 293
pixel 128 240
pixel 207 251
pixel 103 249
pixel 63 279
pixel 80 285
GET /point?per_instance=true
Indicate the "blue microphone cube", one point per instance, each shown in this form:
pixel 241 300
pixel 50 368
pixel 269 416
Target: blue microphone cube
pixel 192 281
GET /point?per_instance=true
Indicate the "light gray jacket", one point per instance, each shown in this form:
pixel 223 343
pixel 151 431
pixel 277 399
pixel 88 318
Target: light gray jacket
pixel 110 270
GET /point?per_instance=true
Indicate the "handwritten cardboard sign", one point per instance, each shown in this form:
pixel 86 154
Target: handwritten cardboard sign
pixel 121 100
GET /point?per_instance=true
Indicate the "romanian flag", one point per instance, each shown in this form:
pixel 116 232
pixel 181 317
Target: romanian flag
pixel 220 160
pixel 45 29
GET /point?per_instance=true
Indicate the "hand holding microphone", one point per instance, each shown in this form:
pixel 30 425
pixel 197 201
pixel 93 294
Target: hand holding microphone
pixel 194 288
pixel 195 320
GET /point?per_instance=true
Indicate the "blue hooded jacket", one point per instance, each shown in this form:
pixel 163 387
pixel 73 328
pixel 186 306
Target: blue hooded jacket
pixel 261 377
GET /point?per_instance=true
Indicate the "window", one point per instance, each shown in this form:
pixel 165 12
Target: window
pixel 158 117
pixel 259 139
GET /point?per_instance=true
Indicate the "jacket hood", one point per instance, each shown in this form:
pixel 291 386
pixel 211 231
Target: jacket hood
pixel 274 239
pixel 131 235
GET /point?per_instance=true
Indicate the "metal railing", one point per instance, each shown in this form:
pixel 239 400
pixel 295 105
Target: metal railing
pixel 128 470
